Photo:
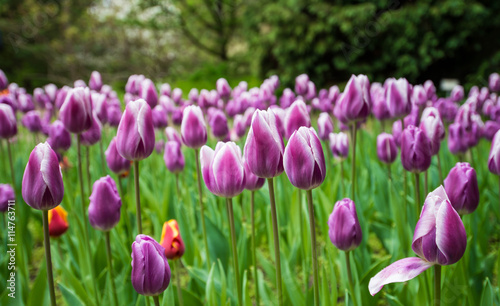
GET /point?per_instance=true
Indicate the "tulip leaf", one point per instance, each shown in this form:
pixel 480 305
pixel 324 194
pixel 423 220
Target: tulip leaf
pixel 488 295
pixel 218 244
pixel 70 296
pixel 39 290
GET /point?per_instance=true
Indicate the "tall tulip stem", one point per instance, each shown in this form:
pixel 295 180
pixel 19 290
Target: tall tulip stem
pixel 87 157
pixel 178 280
pixel 313 246
pixel 202 208
pixel 156 300
pixel 440 171
pixel 137 197
pixel 348 266
pixel 12 173
pixel 103 160
pixel 426 183
pixel 254 254
pixel 230 214
pixel 48 258
pixel 353 166
pixel 276 239
pixel 110 268
pixel 437 285
pixel 417 193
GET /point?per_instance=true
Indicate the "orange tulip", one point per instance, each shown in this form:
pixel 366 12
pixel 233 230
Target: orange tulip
pixel 58 221
pixel 171 240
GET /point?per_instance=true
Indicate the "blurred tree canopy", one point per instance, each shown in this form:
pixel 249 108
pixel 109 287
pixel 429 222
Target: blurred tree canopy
pixel 56 41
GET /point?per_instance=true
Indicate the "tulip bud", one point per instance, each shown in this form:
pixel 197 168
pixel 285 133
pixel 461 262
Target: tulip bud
pixel 490 129
pixel 171 240
pixel 339 144
pixel 193 128
pixel 6 195
pixel 160 119
pixel 301 84
pixel 457 93
pixel 296 116
pixel 25 103
pixel 287 98
pixel 92 135
pixel 433 128
pixel 135 139
pixel 95 82
pixel 252 182
pixel 8 123
pixel 264 146
pixel 115 161
pixel 325 126
pixel 239 126
pixel 494 157
pixel 150 270
pixel 218 124
pixel 344 230
pixel 43 187
pixel 76 111
pixel 311 91
pixel 415 150
pixel 177 95
pixel 457 141
pixel 100 106
pixel 223 170
pixel 114 115
pixel 387 150
pixel 59 138
pixel 379 106
pixel 173 135
pixel 354 104
pixel 58 222
pixel 193 95
pixel 3 80
pixel 223 88
pixel 148 92
pixel 430 89
pixel 462 188
pixel 304 161
pixel 398 93
pixel 419 96
pixel 165 90
pixel 173 157
pixel 105 204
pixel 494 82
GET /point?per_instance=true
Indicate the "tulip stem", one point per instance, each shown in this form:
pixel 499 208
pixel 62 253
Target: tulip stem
pixel 276 239
pixel 87 156
pixel 417 193
pixel 426 183
pixel 254 254
pixel 156 300
pixel 48 258
pixel 202 209
pixel 110 268
pixel 13 175
pixel 137 196
pixel 437 285
pixel 389 174
pixel 342 176
pixel 178 280
pixel 439 169
pixel 103 160
pixel 348 266
pixel 353 166
pixel 177 190
pixel 230 214
pixel 313 246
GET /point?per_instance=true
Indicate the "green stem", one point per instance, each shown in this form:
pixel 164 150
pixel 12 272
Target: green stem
pixel 48 257
pixel 348 266
pixel 439 169
pixel 178 281
pixel 87 156
pixel 103 160
pixel 342 176
pixel 110 268
pixel 389 174
pixel 313 246
pixel 276 239
pixel 12 173
pixel 254 254
pixel 230 214
pixel 437 285
pixel 156 300
pixel 426 183
pixel 177 190
pixel 417 193
pixel 202 208
pixel 120 187
pixel 137 197
pixel 353 166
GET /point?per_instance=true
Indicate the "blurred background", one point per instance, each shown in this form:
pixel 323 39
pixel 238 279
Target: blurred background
pixel 191 43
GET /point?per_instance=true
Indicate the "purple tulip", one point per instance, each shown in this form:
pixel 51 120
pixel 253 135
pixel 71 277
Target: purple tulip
pixel 387 150
pixel 264 146
pixel 379 106
pixel 344 229
pixel 3 80
pixel 457 93
pixel 105 204
pixel 415 150
pixel 430 89
pixel 177 95
pixel 32 121
pixel 304 161
pixel 239 126
pixel 6 195
pixel 165 90
pixel 439 238
pixel 193 95
pixel 43 187
pixel 114 115
pixel 76 111
pixel 8 123
pixel 193 128
pixel 355 102
pixel 51 92
pixel 311 91
pixel 296 116
pixel 94 134
pixel 457 141
pixel 148 92
pixel 301 84
pixel 178 115
pixel 25 103
pixel 173 157
pixel 100 105
pixel 490 129
pixel 339 144
pixel 222 169
pixel 287 98
pixel 494 157
pixel 325 126
pixel 419 96
pixel 223 88
pixel 160 118
pixel 173 135
pixel 462 188
pixel 252 182
pixel 397 131
pixel 95 82
pixel 218 123
pixel 150 270
pixel 398 93
pixel 61 96
pixel 59 138
pixel 115 161
pixel 433 128
pixel 135 137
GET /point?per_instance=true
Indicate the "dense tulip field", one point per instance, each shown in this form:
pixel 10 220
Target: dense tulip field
pixel 382 194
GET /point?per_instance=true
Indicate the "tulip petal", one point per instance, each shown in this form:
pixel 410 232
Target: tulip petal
pixel 228 170
pixel 206 159
pixel 451 238
pixel 400 271
pixel 298 161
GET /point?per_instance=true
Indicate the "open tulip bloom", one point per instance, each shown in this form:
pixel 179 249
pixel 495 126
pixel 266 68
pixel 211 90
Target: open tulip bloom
pixel 439 239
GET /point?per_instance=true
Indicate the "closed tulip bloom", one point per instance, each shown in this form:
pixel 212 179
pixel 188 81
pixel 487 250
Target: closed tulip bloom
pixel 398 93
pixel 150 270
pixel 100 106
pixel 177 115
pixel 301 84
pixel 339 144
pixel 51 91
pixel 114 115
pixel 135 139
pixel 43 187
pixel 287 98
pixel 430 89
pixel 252 182
pixel 59 138
pixel 58 222
pixel 264 146
pixel 76 111
pixel 193 95
pixel 177 95
pixel 419 96
pixel 239 126
pixel 462 188
pixel 494 82
pixel 296 116
pixel 355 102
pixel 148 92
pixel 6 195
pixel 223 88
pixel 222 169
pixel 457 93
pixel 173 135
pixel 490 129
pixel 92 135
pixel 95 82
pixel 8 123
pixel 160 119
pixel 218 124
pixel 115 161
pixel 3 80
pixel 433 127
pixel 344 229
pixel 311 91
pixel 25 103
pixel 193 127
pixel 325 126
pixel 304 161
pixel 105 204
pixel 173 157
pixel 415 150
pixel 457 141
pixel 379 106
pixel 32 121
pixel 387 150
pixel 165 89
pixel 494 157
pixel 171 240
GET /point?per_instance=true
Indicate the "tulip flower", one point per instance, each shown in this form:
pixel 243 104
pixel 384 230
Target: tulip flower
pixel 355 102
pixel 415 150
pixel 223 88
pixel 25 103
pixel 301 83
pixel 433 128
pixel 387 150
pixel 193 127
pixel 100 106
pixel 457 141
pixel 92 135
pixel 165 90
pixel 457 93
pixel 105 204
pixel 494 82
pixel 148 92
pixel 339 144
pixel 177 96
pixel 114 114
pixel 296 116
pixel 430 89
pixel 252 182
pixel 59 138
pixel 8 123
pixel 439 239
pixel 494 157
pixel 6 194
pixel 311 91
pixel 171 240
pixel 462 188
pixel 218 124
pixel 287 98
pixel 173 157
pixel 3 80
pixel 95 82
pixel 58 221
pixel 32 121
pixel 344 229
pixel 325 126
pixel 76 111
pixel 490 129
pixel 150 270
pixel 173 135
pixel 239 126
pixel 115 161
pixel 398 93
pixel 193 95
pixel 160 118
pixel 419 96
